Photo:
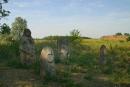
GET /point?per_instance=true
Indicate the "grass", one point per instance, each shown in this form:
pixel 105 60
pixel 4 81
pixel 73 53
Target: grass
pixel 83 61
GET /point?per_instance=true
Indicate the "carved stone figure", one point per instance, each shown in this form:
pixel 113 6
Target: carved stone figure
pixel 64 51
pixel 63 48
pixel 47 62
pixel 102 54
pixel 27 48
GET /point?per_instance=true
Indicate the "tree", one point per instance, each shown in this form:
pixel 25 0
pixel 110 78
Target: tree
pixel 128 38
pixel 126 34
pixel 3 12
pixel 75 40
pixel 5 29
pixel 75 35
pixel 18 27
pixel 118 34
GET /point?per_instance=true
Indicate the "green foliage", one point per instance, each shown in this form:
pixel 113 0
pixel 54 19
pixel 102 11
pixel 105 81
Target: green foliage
pixel 128 39
pixel 126 34
pixel 83 60
pixel 74 43
pixel 18 27
pixel 9 53
pixel 117 65
pixel 5 37
pixel 121 73
pixel 5 29
pixel 3 12
pixel 75 35
pixel 118 34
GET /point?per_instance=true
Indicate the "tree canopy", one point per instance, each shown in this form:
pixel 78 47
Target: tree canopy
pixel 118 34
pixel 126 34
pixel 75 34
pixel 5 29
pixel 18 27
pixel 3 12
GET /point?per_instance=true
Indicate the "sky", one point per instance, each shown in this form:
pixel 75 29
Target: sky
pixel 93 18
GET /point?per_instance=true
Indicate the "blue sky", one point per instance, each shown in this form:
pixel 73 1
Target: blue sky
pixel 93 18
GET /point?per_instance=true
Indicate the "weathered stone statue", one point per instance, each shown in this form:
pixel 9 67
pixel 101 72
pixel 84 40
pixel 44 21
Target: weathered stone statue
pixel 102 54
pixel 64 51
pixel 47 62
pixel 63 48
pixel 27 48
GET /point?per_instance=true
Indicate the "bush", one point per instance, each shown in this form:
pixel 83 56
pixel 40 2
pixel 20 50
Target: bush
pixel 118 67
pixel 9 52
pixel 128 39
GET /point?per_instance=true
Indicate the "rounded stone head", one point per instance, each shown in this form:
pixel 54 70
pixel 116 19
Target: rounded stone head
pixel 27 33
pixel 47 54
pixel 103 47
pixel 103 50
